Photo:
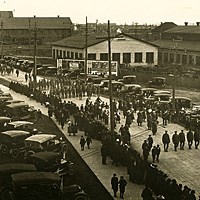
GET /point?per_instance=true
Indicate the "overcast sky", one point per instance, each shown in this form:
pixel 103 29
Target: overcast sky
pixel 117 11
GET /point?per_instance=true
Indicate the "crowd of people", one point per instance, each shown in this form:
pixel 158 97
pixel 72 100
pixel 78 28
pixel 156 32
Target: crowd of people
pixel 93 118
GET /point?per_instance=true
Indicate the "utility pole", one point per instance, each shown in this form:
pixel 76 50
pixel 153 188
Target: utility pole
pixel 86 46
pixel 110 82
pixel 35 57
pixel 1 39
pixel 29 32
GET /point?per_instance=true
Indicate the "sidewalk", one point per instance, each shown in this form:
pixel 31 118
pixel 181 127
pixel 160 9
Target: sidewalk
pixel 184 166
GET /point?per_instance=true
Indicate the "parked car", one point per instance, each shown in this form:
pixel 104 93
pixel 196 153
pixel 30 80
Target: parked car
pixel 129 79
pixel 44 142
pixel 8 95
pixel 7 169
pixel 21 125
pixel 183 102
pixel 157 82
pixel 52 162
pixel 133 88
pixel 40 185
pixel 12 142
pixel 162 98
pixel 20 111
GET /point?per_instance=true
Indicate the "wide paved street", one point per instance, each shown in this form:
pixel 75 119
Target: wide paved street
pixel 182 165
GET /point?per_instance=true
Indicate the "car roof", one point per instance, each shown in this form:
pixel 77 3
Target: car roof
pixel 19 123
pixel 5 98
pixel 162 92
pixel 14 105
pixel 15 133
pixel 2 118
pixel 14 101
pixel 45 155
pixel 133 85
pixel 149 89
pixel 159 77
pixel 26 178
pixel 129 76
pixel 13 168
pixel 40 138
pixel 183 98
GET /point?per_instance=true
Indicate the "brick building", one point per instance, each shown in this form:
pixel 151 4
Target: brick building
pixel 124 48
pixel 21 30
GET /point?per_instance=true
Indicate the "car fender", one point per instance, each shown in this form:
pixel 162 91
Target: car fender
pixel 80 196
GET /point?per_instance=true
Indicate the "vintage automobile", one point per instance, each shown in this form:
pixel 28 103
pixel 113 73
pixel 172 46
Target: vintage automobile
pixel 129 79
pixel 157 82
pixel 20 111
pixel 12 142
pixel 162 92
pixel 162 98
pixel 13 101
pixel 52 162
pixel 21 125
pixel 148 92
pixel 7 169
pixel 40 185
pixel 44 142
pixel 133 88
pixel 8 95
pixel 116 86
pixel 3 122
pixel 183 102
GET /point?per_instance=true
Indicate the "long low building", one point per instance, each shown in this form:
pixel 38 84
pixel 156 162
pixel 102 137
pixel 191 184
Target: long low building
pixel 124 49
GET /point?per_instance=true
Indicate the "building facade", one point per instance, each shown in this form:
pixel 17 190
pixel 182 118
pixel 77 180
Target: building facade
pixel 24 30
pixel 124 49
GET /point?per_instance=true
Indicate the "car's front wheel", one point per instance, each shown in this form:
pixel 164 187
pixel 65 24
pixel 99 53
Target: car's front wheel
pixel 15 153
pixel 82 196
pixel 4 149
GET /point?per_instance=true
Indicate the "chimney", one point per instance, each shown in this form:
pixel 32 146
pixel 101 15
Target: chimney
pixel 197 23
pixel 58 16
pixel 34 16
pixel 186 23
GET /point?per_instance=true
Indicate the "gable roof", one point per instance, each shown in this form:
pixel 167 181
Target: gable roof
pixel 78 41
pixel 181 45
pixel 163 27
pixel 41 23
pixel 184 30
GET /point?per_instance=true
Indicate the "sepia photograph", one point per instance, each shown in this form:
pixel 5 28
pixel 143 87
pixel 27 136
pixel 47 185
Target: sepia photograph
pixel 99 100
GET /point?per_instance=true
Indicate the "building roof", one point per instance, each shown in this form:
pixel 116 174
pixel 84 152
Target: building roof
pixel 184 30
pixel 164 26
pixel 180 45
pixel 41 23
pixel 6 14
pixel 78 41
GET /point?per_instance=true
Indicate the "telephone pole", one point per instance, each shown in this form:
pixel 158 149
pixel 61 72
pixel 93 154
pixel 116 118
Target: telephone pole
pixel 86 46
pixel 110 82
pixel 1 39
pixel 35 57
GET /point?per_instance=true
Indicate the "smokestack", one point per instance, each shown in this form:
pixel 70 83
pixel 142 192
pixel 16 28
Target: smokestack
pixel 58 16
pixel 34 16
pixel 197 23
pixel 186 23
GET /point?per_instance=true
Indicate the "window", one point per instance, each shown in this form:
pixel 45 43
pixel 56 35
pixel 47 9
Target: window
pixel 68 54
pixel 92 56
pixel 57 56
pixel 72 55
pixel 165 57
pixel 198 60
pixel 138 57
pixel 178 58
pixel 104 56
pixel 60 53
pixel 116 57
pixel 126 57
pixel 80 56
pixel 184 59
pixel 171 58
pixel 64 54
pixel 150 57
pixel 54 53
pixel 191 59
pixel 76 55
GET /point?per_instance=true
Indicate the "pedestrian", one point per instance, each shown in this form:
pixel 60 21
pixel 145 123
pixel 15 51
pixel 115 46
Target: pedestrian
pixel 82 143
pixel 175 140
pixel 26 77
pixel 104 153
pixel 182 139
pixel 153 153
pixel 190 138
pixel 17 72
pixel 38 114
pixel 147 194
pixel 196 138
pixel 122 186
pixel 150 142
pixel 158 150
pixel 88 141
pixel 154 127
pixel 114 184
pixel 166 141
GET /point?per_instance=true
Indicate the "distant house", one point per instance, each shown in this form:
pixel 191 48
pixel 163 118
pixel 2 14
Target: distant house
pixel 21 30
pixel 124 48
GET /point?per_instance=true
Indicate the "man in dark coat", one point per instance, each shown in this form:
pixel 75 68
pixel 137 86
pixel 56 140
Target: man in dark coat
pixel 196 138
pixel 190 138
pixel 114 184
pixel 82 143
pixel 150 142
pixel 182 139
pixel 166 141
pixel 153 153
pixel 122 186
pixel 158 150
pixel 175 140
